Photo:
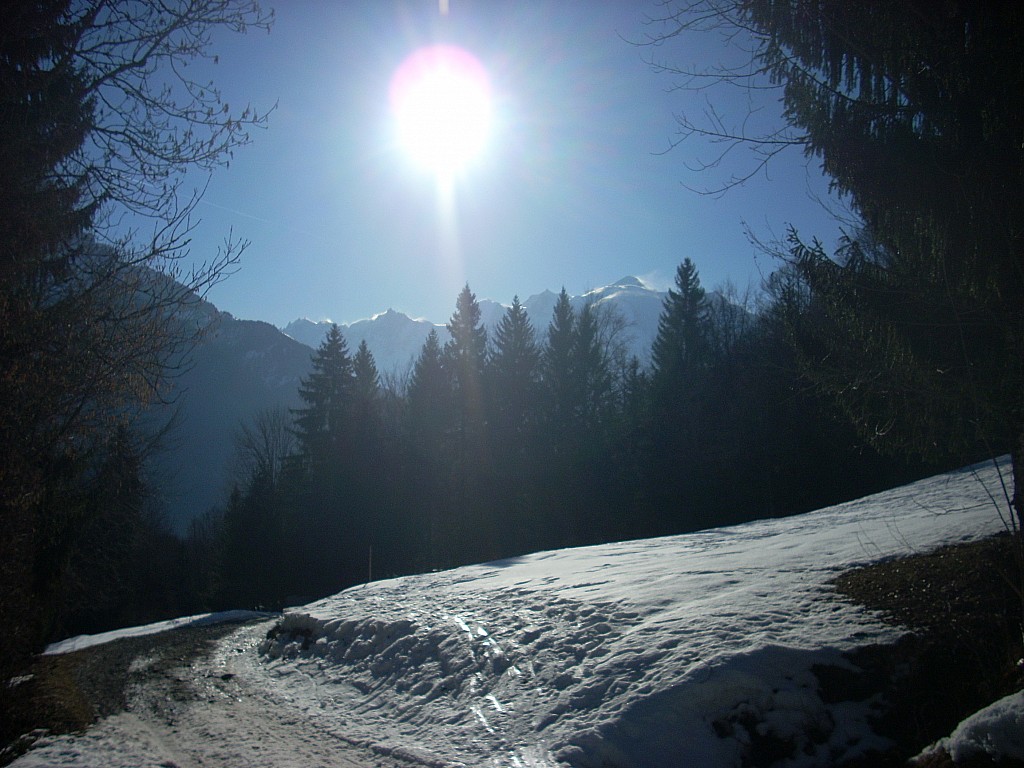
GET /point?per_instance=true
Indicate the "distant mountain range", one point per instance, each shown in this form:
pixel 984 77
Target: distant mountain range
pixel 245 366
pixel 395 339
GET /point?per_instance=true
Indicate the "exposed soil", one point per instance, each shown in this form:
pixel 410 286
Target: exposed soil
pixel 962 607
pixel 67 692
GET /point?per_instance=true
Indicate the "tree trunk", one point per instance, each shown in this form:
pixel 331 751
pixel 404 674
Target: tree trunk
pixel 1017 468
pixel 1017 464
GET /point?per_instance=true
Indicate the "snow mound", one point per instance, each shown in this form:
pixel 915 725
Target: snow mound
pixel 994 732
pixel 695 649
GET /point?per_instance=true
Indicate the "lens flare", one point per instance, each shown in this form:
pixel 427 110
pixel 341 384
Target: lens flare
pixel 441 102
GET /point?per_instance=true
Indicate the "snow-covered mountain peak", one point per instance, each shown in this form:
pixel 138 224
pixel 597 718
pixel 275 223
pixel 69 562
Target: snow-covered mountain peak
pixel 629 281
pixel 395 339
pixel 389 315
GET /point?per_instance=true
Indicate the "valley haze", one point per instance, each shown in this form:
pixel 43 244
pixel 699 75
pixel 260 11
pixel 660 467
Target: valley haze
pixel 245 366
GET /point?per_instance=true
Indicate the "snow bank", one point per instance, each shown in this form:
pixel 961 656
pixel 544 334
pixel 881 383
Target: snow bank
pixel 695 649
pixel 995 732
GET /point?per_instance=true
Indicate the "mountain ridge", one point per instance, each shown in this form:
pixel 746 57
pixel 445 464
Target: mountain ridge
pixel 395 338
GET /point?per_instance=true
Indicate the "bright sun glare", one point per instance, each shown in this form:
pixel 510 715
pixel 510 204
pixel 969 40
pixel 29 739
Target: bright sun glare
pixel 441 101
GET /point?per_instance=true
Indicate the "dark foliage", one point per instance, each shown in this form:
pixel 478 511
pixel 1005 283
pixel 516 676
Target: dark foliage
pixel 495 451
pixel 92 325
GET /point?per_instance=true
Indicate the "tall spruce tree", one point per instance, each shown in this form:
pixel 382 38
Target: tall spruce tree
pixel 914 113
pixel 514 370
pixel 44 120
pixel 320 425
pixel 680 342
pixel 466 354
pixel 365 390
pixel 430 417
pixel 679 418
pixel 430 395
pixel 557 364
pixel 467 351
pixel 914 116
pixel 591 370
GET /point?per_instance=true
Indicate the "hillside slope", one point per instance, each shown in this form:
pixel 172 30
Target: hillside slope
pixel 718 648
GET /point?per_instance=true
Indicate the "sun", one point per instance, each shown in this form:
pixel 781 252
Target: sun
pixel 442 107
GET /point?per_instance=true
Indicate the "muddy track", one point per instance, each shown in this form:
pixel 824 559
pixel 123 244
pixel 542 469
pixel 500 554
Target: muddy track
pixel 191 698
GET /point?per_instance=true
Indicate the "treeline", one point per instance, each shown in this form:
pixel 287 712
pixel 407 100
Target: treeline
pixel 533 439
pixel 491 446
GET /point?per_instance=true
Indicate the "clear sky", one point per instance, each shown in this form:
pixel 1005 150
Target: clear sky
pixel 572 187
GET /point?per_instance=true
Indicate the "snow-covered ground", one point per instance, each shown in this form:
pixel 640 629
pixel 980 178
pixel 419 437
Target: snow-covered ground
pixel 686 650
pixel 81 642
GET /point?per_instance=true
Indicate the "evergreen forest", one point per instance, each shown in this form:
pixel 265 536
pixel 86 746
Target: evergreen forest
pixel 527 439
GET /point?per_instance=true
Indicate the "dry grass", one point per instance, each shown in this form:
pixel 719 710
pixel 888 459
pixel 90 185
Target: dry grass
pixel 962 607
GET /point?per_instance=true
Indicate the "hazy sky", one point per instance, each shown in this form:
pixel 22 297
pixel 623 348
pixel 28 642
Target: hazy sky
pixel 572 188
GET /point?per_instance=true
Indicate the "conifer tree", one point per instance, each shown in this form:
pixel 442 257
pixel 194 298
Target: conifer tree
pixel 429 395
pixel 466 354
pixel 679 417
pixel 327 394
pixel 680 343
pixel 430 416
pixel 591 370
pixel 514 368
pixel 467 351
pixel 913 112
pixel 557 362
pixel 365 389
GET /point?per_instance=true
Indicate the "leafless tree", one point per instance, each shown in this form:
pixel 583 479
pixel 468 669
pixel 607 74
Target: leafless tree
pixel 263 445
pixel 101 125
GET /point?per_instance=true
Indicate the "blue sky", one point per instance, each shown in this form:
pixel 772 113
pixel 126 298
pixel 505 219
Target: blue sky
pixel 573 189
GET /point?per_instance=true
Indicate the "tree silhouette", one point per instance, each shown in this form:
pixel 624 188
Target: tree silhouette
pixel 91 326
pixel 467 355
pixel 913 116
pixel 680 344
pixel 514 372
pixel 321 424
pixel 557 364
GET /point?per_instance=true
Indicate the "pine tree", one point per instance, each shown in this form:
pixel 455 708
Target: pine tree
pixel 914 114
pixel 514 369
pixel 679 420
pixel 680 344
pixel 327 394
pixel 365 389
pixel 557 363
pixel 467 351
pixel 431 418
pixel 590 370
pixel 430 396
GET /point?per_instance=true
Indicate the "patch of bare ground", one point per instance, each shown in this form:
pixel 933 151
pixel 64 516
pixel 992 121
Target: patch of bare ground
pixel 66 693
pixel 961 606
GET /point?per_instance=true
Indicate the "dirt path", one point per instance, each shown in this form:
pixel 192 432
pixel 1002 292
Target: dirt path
pixel 186 699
